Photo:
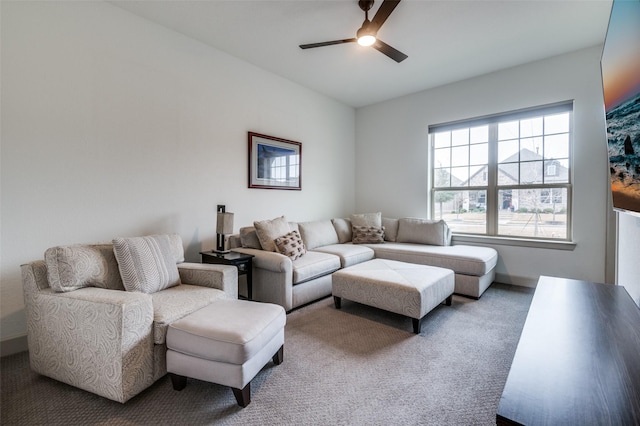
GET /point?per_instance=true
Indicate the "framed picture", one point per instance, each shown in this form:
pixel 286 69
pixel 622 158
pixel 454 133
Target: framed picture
pixel 274 163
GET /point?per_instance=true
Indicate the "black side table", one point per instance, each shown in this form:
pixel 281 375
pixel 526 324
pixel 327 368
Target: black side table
pixel 241 261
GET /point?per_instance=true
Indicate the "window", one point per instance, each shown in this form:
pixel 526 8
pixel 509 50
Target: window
pixel 506 175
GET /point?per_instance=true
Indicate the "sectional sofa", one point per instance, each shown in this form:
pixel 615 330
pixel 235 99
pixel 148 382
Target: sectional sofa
pixel 293 262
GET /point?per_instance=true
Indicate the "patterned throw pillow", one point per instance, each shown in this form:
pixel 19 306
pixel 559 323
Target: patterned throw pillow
pixel 368 235
pixel 291 245
pixel 147 264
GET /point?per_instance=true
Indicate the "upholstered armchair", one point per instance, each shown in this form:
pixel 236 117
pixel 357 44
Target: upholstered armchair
pixel 97 317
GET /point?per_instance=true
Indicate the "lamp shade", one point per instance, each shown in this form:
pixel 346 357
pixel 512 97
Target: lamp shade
pixel 224 223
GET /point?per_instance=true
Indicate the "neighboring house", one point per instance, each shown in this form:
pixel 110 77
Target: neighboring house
pixel 539 171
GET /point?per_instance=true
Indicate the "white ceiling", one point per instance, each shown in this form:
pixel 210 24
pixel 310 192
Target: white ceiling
pixel 446 41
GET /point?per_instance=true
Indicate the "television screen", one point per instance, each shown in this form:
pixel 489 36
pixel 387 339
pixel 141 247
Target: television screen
pixel 620 67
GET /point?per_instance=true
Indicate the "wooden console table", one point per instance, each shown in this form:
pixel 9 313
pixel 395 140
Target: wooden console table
pixel 578 358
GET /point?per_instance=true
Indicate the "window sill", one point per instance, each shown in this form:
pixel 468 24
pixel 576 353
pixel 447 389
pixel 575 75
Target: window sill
pixel 519 242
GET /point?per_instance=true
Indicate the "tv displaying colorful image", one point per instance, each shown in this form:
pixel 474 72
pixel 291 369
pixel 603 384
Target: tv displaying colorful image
pixel 620 67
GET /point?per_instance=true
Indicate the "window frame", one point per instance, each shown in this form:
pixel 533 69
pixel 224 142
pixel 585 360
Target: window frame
pixel 492 188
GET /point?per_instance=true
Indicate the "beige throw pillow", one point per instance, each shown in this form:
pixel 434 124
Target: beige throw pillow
pixel 291 245
pixel 367 219
pixel 269 230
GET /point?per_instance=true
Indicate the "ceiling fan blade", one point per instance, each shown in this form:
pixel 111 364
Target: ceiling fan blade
pixel 327 43
pixel 394 54
pixel 382 14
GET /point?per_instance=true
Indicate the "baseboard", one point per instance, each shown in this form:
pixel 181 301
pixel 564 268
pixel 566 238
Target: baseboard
pixel 516 280
pixel 13 346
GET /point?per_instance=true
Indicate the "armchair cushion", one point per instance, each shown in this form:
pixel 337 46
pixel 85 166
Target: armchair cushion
pixel 82 265
pixel 147 264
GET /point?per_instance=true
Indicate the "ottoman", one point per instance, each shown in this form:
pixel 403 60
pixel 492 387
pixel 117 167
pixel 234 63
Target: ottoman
pixel 227 342
pixel 403 288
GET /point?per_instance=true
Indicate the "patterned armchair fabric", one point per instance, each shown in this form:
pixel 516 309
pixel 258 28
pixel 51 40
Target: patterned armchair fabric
pixel 103 340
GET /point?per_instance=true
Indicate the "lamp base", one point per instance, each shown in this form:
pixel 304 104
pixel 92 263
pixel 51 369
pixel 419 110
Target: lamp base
pixel 220 244
pixel 220 251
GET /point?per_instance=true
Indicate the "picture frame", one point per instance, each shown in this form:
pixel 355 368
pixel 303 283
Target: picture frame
pixel 274 163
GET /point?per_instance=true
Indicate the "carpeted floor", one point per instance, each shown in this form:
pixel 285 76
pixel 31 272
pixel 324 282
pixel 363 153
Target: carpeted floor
pixel 355 366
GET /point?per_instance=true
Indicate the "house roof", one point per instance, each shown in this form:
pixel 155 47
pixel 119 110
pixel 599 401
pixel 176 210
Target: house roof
pixel 446 41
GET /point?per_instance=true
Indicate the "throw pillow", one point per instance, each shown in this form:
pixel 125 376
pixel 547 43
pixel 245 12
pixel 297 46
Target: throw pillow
pixel 269 230
pixel 423 231
pixel 367 219
pixel 368 235
pixel 76 266
pixel 147 264
pixel 343 229
pixel 291 245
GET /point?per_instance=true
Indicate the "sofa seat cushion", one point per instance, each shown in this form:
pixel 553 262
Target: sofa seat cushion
pixel 173 303
pixel 349 254
pixel 314 264
pixel 467 260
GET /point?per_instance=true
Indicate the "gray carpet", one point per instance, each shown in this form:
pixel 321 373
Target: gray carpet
pixel 355 366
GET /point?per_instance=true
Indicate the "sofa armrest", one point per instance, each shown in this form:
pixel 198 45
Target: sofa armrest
pixel 269 260
pixel 222 277
pixel 272 277
pixel 95 339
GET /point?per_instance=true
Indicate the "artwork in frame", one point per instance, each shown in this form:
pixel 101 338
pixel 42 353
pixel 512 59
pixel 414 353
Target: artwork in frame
pixel 274 163
pixel 620 67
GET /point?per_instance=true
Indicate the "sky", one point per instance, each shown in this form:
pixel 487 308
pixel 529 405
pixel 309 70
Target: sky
pixel 621 54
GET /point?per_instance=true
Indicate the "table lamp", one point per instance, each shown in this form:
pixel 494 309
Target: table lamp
pixel 224 226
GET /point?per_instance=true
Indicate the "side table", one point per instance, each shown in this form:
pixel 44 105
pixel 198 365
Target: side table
pixel 244 263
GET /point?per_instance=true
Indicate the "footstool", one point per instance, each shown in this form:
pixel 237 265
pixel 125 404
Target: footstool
pixel 227 342
pixel 403 288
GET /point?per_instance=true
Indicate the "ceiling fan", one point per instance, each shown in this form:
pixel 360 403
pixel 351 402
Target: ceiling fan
pixel 366 35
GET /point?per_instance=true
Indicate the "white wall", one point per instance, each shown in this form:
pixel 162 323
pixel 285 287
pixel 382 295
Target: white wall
pixel 392 155
pixel 628 254
pixel 114 126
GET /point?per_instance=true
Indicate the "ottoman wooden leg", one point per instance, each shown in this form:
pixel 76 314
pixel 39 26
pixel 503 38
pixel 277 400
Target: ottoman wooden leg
pixel 417 324
pixel 448 300
pixel 279 356
pixel 243 396
pixel 178 382
pixel 337 301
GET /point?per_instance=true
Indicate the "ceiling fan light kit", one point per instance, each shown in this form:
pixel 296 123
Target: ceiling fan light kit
pixel 367 34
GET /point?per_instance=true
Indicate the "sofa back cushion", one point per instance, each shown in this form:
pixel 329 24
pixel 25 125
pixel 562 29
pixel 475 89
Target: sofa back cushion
pixel 318 233
pixel 423 231
pixel 249 238
pixel 147 264
pixel 390 229
pixel 82 265
pixel 343 229
pixel 367 219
